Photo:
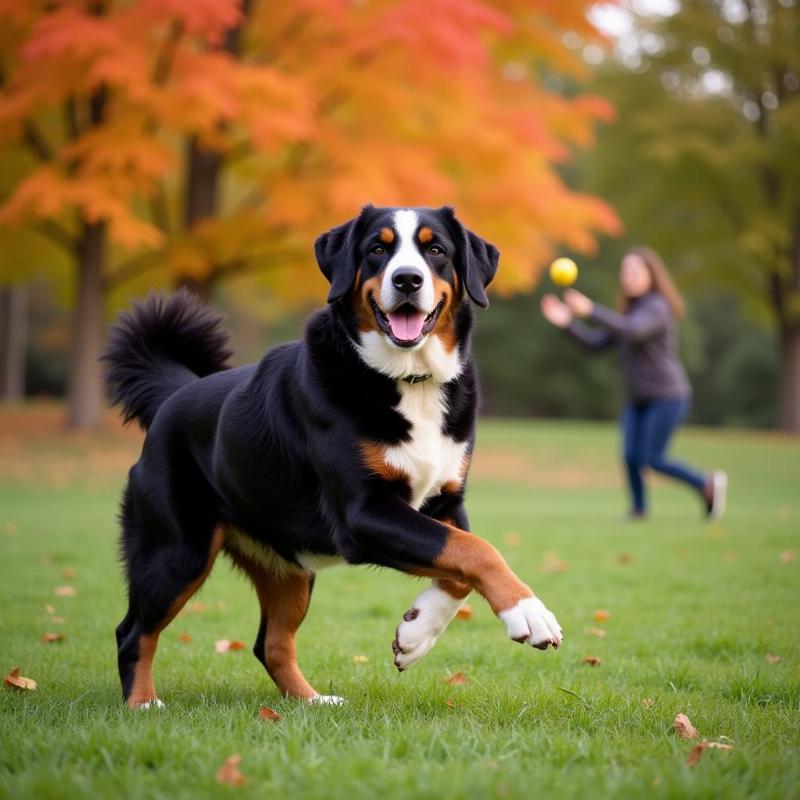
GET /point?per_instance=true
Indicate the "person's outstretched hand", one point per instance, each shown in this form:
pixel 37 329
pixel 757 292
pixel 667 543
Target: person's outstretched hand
pixel 579 304
pixel 555 312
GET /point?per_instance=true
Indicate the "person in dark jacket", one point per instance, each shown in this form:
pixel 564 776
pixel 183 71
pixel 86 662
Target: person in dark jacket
pixel 657 390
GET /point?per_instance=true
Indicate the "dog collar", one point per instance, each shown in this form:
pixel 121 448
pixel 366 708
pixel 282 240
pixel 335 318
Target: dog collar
pixel 417 378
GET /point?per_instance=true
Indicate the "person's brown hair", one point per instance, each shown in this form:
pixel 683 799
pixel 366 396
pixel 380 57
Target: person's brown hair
pixel 662 281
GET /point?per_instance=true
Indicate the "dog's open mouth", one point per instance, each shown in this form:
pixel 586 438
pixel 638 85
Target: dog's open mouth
pixel 406 325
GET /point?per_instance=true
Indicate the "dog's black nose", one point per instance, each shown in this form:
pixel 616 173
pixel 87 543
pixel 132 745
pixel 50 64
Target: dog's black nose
pixel 407 279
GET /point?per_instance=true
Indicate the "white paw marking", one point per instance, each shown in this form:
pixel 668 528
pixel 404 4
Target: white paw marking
pixel 327 700
pixel 151 704
pixel 422 626
pixel 529 621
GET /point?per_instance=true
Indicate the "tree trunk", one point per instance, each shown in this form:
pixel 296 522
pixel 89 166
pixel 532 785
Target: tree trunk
pixel 789 381
pixel 13 338
pixel 203 167
pixel 85 397
pixel 200 202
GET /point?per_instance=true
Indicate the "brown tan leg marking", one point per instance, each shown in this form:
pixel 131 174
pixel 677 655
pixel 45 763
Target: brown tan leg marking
pixel 470 560
pixel 143 688
pixel 284 601
pixel 456 589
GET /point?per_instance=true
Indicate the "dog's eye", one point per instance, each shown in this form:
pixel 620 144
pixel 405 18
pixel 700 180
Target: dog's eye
pixel 435 250
pixel 377 249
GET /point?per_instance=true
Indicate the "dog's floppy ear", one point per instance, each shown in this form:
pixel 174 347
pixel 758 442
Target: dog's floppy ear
pixel 336 253
pixel 476 261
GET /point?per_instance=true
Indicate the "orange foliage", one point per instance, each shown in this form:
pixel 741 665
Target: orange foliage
pixel 327 105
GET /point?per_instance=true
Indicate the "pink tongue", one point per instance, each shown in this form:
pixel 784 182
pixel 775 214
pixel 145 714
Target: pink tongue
pixel 406 325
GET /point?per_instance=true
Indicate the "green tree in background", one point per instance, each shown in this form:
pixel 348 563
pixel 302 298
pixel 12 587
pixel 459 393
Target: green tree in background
pixel 703 161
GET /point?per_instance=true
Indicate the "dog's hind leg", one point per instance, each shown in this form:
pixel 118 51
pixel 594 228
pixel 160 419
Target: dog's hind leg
pixel 161 581
pixel 284 596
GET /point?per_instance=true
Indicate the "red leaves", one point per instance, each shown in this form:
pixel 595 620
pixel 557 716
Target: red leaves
pixel 268 714
pixel 456 679
pixel 592 661
pixel 701 747
pixel 601 615
pixel 65 591
pixel 229 774
pixel 17 681
pixel 226 645
pixel 683 727
pixel 49 638
pixel 465 612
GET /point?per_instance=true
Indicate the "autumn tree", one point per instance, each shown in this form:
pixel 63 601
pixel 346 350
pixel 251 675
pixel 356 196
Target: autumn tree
pixel 174 142
pixel 704 163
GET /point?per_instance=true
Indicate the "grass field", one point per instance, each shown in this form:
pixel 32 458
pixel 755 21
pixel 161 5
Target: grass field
pixel 694 611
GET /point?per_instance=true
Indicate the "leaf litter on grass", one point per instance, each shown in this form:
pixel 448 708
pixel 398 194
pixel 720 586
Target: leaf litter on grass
pixel 229 773
pixel 17 681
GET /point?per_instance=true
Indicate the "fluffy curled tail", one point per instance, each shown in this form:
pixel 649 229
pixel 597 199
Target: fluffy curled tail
pixel 161 344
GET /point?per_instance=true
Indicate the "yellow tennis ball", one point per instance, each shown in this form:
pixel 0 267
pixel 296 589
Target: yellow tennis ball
pixel 563 271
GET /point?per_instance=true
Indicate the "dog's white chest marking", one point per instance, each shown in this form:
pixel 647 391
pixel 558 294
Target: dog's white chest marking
pixel 429 458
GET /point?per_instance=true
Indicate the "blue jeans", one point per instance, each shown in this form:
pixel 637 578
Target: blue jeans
pixel 646 430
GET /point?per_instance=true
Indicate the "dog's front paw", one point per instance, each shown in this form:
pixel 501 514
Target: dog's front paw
pixel 530 622
pixel 422 625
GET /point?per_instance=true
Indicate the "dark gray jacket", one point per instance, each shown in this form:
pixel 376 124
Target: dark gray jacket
pixel 651 368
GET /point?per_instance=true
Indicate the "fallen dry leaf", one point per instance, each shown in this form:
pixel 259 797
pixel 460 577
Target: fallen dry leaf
pixel 598 632
pixel 465 612
pixel 68 572
pixel 450 702
pixel 50 609
pixel 647 702
pixel 360 659
pixel 196 607
pixel 787 556
pixel 57 620
pixel 593 661
pixel 771 658
pixel 48 638
pixel 229 773
pixel 701 747
pixel 18 681
pixel 729 556
pixel 10 528
pixel 268 713
pixel 683 727
pixel 66 591
pixel 625 558
pixel 185 638
pixel 601 615
pixel 512 539
pixel 553 564
pixel 456 679
pixel 224 645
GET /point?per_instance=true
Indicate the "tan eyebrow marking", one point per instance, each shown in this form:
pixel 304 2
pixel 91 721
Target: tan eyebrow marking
pixel 387 235
pixel 425 235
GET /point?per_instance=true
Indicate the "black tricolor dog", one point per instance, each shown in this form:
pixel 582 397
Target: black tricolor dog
pixel 352 444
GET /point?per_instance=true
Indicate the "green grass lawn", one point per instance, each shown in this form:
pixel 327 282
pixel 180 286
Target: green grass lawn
pixel 694 609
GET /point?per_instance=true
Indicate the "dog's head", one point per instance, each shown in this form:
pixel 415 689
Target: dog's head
pixel 404 272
